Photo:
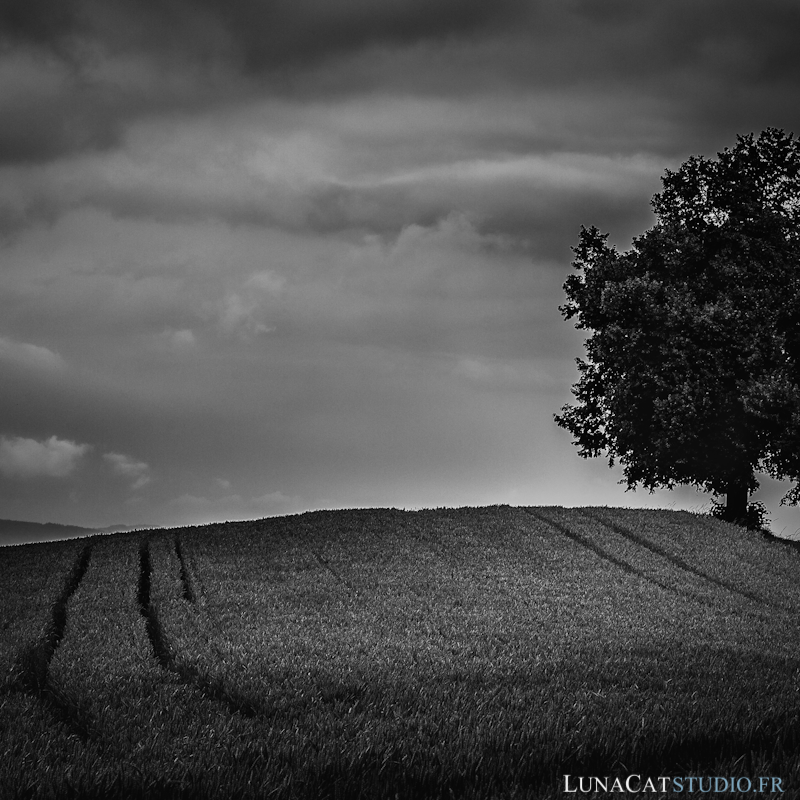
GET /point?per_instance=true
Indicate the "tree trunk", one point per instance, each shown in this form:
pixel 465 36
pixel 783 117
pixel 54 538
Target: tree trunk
pixel 736 502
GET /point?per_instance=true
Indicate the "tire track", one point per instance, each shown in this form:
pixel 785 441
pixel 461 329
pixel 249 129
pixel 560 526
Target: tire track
pixel 333 571
pixel 189 593
pixel 677 561
pixel 346 546
pixel 306 541
pixel 783 574
pixel 34 661
pixel 154 631
pixel 212 688
pixel 604 554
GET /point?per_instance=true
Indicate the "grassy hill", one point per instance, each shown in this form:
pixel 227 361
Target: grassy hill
pixel 380 653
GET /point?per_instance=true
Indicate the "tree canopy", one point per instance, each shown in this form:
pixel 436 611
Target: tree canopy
pixel 692 368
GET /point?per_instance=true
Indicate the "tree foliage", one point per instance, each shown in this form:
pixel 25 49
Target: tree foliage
pixel 692 374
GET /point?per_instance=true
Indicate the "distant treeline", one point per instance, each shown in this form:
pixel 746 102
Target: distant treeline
pixel 18 532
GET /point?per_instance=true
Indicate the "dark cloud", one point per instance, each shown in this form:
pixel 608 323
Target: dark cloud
pixel 549 42
pixel 286 31
pixel 262 35
pixel 37 21
pixel 43 119
pixel 116 60
pixel 707 70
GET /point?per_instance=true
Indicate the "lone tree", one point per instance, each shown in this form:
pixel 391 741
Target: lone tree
pixel 692 373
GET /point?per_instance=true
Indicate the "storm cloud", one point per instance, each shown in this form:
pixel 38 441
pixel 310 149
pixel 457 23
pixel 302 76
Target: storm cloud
pixel 76 73
pixel 268 256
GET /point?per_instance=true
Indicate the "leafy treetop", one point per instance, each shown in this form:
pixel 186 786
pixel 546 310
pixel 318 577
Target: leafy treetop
pixel 692 374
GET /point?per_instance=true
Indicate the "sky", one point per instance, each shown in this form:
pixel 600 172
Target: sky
pixel 265 256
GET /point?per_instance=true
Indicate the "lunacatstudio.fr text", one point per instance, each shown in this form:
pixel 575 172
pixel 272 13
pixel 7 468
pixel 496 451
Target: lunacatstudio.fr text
pixel 637 784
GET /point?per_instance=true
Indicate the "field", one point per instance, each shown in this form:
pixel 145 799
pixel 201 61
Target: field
pixel 383 653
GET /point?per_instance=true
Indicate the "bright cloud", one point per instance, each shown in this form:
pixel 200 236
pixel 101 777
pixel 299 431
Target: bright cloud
pixel 30 355
pixel 136 471
pixel 29 458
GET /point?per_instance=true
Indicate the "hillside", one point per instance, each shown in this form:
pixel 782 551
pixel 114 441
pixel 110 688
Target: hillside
pixel 383 653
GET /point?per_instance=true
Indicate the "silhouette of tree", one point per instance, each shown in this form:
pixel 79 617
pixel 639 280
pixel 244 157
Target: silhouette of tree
pixel 692 369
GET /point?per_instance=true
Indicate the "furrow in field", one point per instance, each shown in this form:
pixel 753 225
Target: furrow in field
pixel 746 561
pixel 402 564
pixel 223 560
pixel 154 632
pixel 139 718
pixel 389 554
pixel 673 558
pixel 356 556
pixel 186 577
pixel 35 660
pixel 97 650
pixel 276 604
pixel 67 710
pixel 393 551
pixel 33 663
pixel 326 565
pixel 768 562
pixel 192 674
pixel 651 566
pixel 32 581
pixel 601 552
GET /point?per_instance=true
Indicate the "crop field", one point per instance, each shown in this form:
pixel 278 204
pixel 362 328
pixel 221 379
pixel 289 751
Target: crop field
pixel 476 652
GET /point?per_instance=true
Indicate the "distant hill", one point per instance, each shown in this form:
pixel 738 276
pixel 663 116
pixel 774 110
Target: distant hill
pixel 19 532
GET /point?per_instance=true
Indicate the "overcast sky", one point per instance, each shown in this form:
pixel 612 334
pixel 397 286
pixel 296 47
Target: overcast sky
pixel 262 256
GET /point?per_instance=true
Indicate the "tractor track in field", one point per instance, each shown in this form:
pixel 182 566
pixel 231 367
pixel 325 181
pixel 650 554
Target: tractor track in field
pixel 187 584
pixel 676 561
pixel 34 661
pixel 604 554
pixel 153 627
pixel 344 546
pixel 333 571
pixel 305 540
pixel 209 687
